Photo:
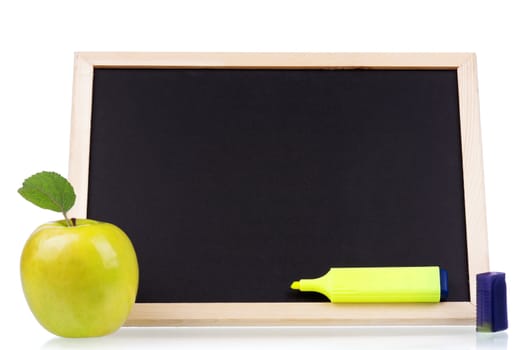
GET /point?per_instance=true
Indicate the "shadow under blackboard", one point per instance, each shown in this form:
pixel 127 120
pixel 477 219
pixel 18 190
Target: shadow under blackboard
pixel 397 337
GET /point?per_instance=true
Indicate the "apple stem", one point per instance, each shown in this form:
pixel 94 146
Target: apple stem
pixel 69 222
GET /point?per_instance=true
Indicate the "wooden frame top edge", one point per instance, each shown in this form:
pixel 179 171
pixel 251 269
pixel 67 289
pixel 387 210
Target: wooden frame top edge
pixel 284 60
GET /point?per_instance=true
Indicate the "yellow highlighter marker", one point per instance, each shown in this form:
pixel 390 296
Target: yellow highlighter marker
pixel 426 284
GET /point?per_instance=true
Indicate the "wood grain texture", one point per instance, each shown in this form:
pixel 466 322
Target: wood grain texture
pixel 276 60
pixel 475 208
pixel 79 160
pixel 272 314
pixel 161 314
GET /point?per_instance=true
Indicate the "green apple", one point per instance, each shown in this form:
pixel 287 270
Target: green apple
pixel 79 280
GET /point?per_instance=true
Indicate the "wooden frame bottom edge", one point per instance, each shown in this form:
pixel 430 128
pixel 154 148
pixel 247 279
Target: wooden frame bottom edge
pixel 300 314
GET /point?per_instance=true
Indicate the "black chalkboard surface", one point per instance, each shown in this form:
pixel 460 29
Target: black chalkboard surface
pixel 235 174
pixel 233 183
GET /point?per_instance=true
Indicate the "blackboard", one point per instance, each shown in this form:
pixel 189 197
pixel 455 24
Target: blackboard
pixel 232 182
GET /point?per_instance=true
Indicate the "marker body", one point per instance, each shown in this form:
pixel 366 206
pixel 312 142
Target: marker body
pixel 378 285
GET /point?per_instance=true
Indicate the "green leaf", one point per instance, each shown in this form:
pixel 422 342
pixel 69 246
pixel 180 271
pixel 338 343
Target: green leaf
pixel 49 190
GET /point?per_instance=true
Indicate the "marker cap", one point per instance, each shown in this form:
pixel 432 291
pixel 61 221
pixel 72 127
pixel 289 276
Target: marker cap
pixel 443 281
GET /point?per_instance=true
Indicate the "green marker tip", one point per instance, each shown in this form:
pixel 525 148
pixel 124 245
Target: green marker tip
pixel 295 285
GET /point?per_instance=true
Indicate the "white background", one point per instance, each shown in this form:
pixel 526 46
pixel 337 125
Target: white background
pixel 37 42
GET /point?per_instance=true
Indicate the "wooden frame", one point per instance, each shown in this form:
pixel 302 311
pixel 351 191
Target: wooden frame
pixel 146 314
